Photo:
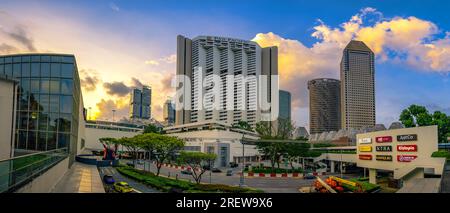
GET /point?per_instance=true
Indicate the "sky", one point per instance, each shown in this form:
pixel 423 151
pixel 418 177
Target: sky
pixel 123 44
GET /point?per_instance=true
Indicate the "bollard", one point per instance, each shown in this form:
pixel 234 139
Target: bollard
pixel 169 174
pixel 176 177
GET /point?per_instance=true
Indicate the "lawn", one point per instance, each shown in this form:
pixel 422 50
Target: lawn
pixel 166 184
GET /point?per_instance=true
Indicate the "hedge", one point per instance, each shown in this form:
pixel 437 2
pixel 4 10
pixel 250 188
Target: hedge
pixel 441 154
pixel 276 170
pixel 165 184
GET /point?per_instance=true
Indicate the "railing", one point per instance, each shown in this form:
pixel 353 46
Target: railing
pixel 16 172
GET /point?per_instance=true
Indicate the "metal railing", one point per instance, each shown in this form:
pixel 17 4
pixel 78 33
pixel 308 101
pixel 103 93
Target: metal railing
pixel 18 171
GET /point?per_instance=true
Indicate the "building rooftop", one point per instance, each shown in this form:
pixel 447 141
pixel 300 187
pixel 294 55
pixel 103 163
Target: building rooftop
pixel 357 45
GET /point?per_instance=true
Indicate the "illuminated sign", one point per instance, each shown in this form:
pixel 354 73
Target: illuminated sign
pixel 365 148
pixel 340 180
pixel 365 157
pixel 384 158
pixel 410 137
pixel 383 148
pixel 406 158
pixel 365 140
pixel 384 139
pixel 407 148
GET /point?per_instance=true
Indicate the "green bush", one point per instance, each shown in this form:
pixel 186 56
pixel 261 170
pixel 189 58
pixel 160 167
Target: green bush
pixel 441 154
pixel 165 184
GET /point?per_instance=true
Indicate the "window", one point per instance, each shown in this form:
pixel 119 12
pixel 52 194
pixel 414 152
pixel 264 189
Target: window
pixel 35 70
pixel 55 70
pixel 8 70
pixel 54 87
pixel 45 86
pixel 66 86
pixel 64 122
pixel 53 122
pixel 16 70
pixel 22 137
pixel 67 70
pixel 26 70
pixel 63 140
pixel 42 141
pixel 45 70
pixel 51 140
pixel 34 86
pixel 54 103
pixel 65 104
pixel 31 140
pixel 44 103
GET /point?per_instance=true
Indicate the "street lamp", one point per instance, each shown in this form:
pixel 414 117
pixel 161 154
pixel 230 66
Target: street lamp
pixel 241 184
pixel 113 111
pixel 90 117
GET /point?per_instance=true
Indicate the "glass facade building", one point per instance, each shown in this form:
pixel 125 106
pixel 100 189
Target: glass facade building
pixel 285 105
pixel 48 101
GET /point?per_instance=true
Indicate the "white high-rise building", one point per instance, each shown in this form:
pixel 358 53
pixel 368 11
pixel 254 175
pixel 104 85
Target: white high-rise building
pixel 245 74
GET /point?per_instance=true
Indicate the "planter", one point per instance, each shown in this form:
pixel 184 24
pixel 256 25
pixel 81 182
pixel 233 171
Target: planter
pixel 262 174
pixel 250 174
pixel 294 174
pixel 273 174
pixel 284 175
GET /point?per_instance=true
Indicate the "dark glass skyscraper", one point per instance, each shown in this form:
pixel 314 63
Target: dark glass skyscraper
pixel 285 105
pixel 48 101
pixel 324 105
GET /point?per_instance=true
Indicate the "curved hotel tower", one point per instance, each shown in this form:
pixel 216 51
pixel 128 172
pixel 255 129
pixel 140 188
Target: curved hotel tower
pixel 205 59
pixel 324 105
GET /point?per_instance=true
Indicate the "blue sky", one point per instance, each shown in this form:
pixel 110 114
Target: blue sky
pixel 110 38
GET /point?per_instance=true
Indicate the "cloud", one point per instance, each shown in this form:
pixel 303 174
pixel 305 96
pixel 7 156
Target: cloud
pixel 7 49
pixel 171 59
pixel 14 34
pixel 136 83
pixel 105 107
pixel 89 80
pixel 114 7
pixel 410 41
pixel 116 88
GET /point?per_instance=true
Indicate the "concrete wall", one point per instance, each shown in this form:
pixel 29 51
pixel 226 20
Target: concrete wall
pixel 46 182
pixel 7 117
pixel 92 136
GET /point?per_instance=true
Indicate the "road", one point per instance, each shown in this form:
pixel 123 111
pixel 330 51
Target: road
pixel 270 185
pixel 139 187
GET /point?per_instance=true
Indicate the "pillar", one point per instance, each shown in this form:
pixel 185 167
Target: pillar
pixel 373 176
pixel 332 166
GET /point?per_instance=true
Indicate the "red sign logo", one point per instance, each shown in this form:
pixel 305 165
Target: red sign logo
pixel 406 158
pixel 365 157
pixel 384 139
pixel 407 148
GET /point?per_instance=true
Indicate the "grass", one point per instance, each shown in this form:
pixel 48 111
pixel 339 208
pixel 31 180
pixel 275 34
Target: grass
pixel 367 187
pixel 166 184
pixel 20 163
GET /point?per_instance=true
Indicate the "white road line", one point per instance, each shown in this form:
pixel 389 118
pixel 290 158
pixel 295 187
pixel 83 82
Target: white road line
pixel 137 191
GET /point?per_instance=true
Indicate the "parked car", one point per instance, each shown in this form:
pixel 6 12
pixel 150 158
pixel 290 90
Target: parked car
pixel 233 164
pixel 309 176
pixel 108 179
pixel 122 187
pixel 140 162
pixel 186 172
pixel 216 170
pixel 229 172
pixel 206 167
pixel 130 164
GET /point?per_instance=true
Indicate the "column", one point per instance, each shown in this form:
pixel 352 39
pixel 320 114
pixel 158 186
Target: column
pixel 373 176
pixel 332 166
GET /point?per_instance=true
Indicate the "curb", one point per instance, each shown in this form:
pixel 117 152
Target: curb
pixel 282 175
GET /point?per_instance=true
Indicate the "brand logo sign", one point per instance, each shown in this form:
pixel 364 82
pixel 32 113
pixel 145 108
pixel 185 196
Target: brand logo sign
pixel 384 139
pixel 365 157
pixel 365 140
pixel 365 148
pixel 384 158
pixel 383 148
pixel 407 148
pixel 410 137
pixel 406 158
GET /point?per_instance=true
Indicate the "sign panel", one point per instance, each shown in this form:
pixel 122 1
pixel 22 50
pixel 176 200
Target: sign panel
pixel 365 148
pixel 365 140
pixel 365 157
pixel 384 158
pixel 410 137
pixel 340 180
pixel 383 139
pixel 406 158
pixel 383 148
pixel 407 148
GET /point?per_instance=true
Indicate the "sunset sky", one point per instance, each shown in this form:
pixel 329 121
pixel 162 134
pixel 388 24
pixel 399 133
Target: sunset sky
pixel 128 43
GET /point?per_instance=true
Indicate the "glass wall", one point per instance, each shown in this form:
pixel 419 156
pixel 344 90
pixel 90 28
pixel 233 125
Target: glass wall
pixel 48 101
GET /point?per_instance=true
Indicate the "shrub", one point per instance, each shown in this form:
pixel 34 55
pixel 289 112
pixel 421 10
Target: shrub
pixel 441 154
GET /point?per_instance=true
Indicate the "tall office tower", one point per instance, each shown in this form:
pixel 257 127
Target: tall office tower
pixel 140 103
pixel 285 105
pixel 205 59
pixel 324 105
pixel 49 102
pixel 169 112
pixel 358 86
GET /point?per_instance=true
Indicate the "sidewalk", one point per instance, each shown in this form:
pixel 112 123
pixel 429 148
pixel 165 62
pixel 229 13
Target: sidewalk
pixel 81 178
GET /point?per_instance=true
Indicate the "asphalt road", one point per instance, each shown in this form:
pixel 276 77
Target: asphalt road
pixel 139 187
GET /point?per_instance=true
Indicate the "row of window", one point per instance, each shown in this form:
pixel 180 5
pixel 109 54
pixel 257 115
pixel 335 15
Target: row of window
pixel 46 103
pixel 41 140
pixel 38 70
pixel 53 122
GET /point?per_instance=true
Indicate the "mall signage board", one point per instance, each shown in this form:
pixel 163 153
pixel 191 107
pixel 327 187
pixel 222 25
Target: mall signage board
pixel 365 157
pixel 409 137
pixel 407 148
pixel 383 148
pixel 365 140
pixel 406 158
pixel 383 139
pixel 365 148
pixel 383 158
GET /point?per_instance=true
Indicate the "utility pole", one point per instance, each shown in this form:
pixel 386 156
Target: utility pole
pixel 241 184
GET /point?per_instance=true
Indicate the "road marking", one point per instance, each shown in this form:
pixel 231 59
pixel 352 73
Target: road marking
pixel 137 191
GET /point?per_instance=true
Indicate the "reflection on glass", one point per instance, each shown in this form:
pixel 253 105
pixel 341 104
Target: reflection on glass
pixel 65 104
pixel 8 70
pixel 45 86
pixel 23 120
pixel 22 140
pixel 34 104
pixel 64 122
pixel 54 86
pixel 43 121
pixel 51 140
pixel 66 86
pixel 16 70
pixel 42 141
pixel 35 70
pixel 31 140
pixel 34 85
pixel 67 70
pixel 63 140
pixel 45 70
pixel 55 70
pixel 53 122
pixel 26 67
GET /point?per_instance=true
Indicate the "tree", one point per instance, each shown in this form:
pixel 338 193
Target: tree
pixel 197 161
pixel 162 146
pixel 132 146
pixel 152 129
pixel 273 150
pixel 294 151
pixel 243 125
pixel 416 115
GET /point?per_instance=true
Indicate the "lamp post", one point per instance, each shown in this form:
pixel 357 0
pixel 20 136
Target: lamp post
pixel 241 183
pixel 113 111
pixel 89 114
pixel 341 163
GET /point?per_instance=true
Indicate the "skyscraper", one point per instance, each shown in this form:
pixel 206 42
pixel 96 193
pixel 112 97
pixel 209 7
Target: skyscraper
pixel 169 112
pixel 358 86
pixel 285 105
pixel 205 59
pixel 140 103
pixel 324 105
